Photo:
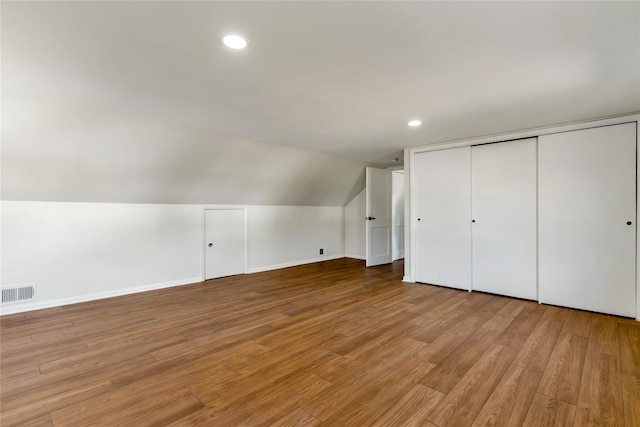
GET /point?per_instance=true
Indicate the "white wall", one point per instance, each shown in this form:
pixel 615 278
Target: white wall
pixel 355 227
pixel 280 236
pixel 82 251
pixel 75 249
pixel 397 215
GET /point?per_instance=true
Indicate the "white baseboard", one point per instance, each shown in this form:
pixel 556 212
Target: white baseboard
pixel 294 263
pixel 408 279
pixel 19 308
pixel 364 258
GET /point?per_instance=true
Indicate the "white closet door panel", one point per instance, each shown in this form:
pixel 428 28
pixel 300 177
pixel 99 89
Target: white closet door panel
pixel 587 194
pixel 443 207
pixel 504 211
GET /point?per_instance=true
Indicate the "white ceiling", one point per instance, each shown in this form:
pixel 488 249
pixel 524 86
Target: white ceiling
pixel 340 78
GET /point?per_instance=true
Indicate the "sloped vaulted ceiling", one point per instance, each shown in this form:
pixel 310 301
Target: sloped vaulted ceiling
pixel 83 153
pixel 139 102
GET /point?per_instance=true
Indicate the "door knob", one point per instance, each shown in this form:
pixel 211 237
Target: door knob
pixel 629 223
pixel 210 245
pixel 473 220
pixel 369 218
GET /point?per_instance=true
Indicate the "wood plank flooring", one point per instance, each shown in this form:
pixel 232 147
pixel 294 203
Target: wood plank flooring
pixel 326 344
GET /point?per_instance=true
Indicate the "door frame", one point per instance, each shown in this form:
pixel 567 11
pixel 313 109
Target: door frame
pixel 203 237
pixel 394 235
pixel 410 205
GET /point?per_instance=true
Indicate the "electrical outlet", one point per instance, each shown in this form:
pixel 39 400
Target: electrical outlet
pixel 321 251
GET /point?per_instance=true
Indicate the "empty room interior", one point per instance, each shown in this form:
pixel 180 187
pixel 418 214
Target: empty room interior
pixel 319 213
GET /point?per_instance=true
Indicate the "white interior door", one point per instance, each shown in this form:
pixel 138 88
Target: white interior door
pixel 504 218
pixel 443 217
pixel 587 210
pixel 378 215
pixel 224 240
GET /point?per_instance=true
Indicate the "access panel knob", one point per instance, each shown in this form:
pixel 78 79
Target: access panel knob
pixel 629 223
pixel 210 245
pixel 370 218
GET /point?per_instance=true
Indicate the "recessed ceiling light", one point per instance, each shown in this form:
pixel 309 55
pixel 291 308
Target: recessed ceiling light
pixel 414 123
pixel 234 41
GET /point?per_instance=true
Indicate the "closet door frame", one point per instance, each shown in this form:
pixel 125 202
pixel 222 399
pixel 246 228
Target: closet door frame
pixel 410 197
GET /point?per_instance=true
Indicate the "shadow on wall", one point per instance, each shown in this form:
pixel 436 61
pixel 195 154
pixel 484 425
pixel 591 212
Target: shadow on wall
pixel 359 185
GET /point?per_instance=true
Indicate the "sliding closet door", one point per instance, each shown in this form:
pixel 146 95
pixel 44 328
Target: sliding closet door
pixel 443 220
pixel 587 210
pixel 504 218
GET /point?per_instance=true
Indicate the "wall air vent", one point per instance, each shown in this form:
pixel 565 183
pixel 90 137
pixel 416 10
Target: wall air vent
pixel 18 294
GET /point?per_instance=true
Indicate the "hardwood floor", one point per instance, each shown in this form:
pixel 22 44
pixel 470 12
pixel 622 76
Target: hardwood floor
pixel 332 344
